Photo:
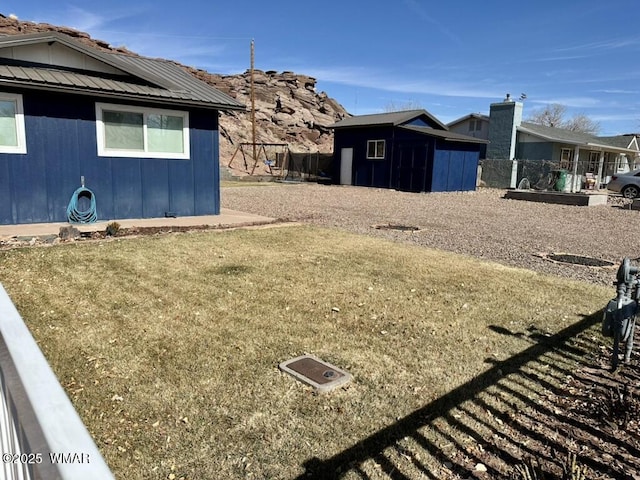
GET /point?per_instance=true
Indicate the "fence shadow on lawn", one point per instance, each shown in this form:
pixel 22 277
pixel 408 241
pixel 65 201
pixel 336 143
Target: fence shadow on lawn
pixel 401 451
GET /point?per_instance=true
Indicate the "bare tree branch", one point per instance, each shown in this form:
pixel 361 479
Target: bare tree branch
pixel 393 106
pixel 582 123
pixel 553 115
pixel 550 116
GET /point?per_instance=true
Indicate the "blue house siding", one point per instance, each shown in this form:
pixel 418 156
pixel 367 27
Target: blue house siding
pixel 62 147
pixel 454 168
pixel 366 173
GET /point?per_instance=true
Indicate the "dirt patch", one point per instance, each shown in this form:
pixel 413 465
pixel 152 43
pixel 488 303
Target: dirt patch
pixel 578 260
pixel 121 232
pixel 594 414
pixel 397 227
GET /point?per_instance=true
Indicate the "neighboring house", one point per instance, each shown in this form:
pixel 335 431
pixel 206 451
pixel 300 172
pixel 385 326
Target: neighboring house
pixel 143 133
pixel 475 125
pixel 409 150
pixel 601 157
pixel 582 155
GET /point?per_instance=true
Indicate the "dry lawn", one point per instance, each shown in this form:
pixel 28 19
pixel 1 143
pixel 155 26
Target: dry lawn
pixel 168 347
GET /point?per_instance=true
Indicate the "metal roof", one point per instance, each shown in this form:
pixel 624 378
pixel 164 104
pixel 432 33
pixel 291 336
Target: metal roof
pixel 445 134
pixel 561 135
pixel 142 78
pixel 386 119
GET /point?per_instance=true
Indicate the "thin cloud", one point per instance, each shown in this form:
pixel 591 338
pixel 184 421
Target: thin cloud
pixel 365 78
pixel 87 20
pixel 618 92
pixel 573 102
pixel 73 17
pixel 200 51
pixel 616 117
pixel 172 47
pixel 556 58
pixel 610 44
pixel 418 9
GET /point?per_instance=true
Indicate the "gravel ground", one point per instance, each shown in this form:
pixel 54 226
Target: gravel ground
pixel 482 224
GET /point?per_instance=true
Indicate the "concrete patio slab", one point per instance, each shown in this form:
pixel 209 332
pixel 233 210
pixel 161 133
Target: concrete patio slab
pixel 227 218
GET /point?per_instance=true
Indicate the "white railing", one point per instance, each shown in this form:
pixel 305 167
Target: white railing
pixel 9 439
pixel 41 434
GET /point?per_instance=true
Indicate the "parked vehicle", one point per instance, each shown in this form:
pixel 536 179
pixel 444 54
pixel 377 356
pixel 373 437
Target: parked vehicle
pixel 628 184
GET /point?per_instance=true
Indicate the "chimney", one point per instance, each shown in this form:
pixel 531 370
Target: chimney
pixel 504 118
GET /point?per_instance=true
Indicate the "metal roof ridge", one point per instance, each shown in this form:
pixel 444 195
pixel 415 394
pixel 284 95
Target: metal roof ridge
pixel 108 58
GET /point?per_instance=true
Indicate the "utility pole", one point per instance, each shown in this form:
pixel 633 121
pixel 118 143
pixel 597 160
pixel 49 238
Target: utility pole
pixel 253 108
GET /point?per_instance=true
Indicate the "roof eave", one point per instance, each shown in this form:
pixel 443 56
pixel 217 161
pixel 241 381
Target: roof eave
pixel 465 140
pixel 438 134
pixel 127 97
pixel 360 125
pixel 611 148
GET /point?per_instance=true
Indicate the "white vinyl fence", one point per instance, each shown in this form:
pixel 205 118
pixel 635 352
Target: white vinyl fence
pixel 41 434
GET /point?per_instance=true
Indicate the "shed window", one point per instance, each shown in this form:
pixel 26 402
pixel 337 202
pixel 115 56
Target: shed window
pixel 375 149
pixel 12 133
pixel 125 131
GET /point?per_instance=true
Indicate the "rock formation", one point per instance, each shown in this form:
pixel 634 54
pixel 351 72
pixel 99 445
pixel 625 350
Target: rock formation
pixel 288 109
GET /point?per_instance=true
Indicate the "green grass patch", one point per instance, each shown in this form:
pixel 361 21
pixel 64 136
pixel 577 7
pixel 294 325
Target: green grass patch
pixel 168 346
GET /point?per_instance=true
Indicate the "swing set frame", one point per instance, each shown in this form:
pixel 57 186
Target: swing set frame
pixel 258 149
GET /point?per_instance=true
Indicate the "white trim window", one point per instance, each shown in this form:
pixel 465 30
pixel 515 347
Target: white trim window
pixel 566 158
pixel 375 149
pixel 12 131
pixel 594 161
pixel 128 131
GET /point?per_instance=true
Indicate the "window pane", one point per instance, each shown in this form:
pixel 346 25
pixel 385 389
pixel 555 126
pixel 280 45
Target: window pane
pixel 371 149
pixel 8 129
pixel 123 130
pixel 164 133
pixel 380 149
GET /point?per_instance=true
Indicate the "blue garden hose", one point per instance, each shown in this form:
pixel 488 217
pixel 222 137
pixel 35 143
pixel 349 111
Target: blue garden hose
pixel 82 216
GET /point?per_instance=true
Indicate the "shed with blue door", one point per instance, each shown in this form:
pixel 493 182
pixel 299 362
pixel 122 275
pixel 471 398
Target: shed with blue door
pixel 142 133
pixel 409 150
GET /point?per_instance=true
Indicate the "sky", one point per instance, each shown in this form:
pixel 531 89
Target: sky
pixel 372 56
